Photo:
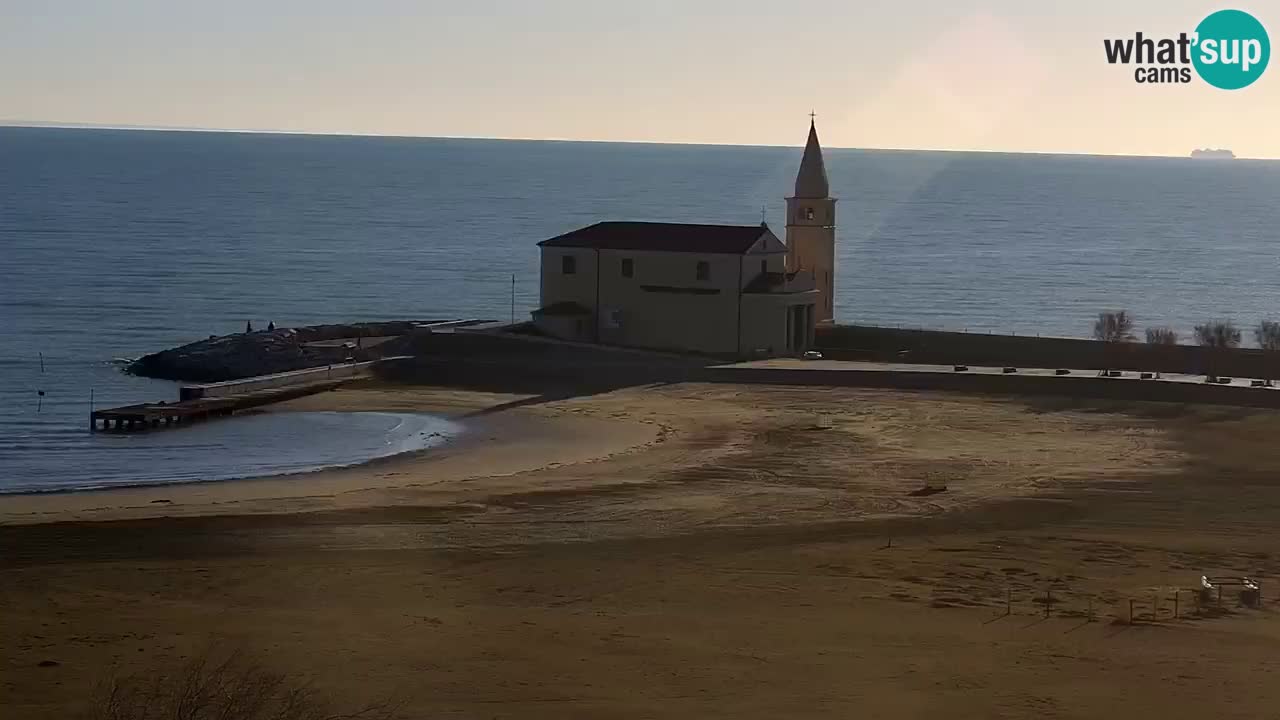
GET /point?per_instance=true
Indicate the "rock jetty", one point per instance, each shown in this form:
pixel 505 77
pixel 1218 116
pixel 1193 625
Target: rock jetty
pixel 233 357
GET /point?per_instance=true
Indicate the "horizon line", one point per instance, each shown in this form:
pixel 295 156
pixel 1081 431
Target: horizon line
pixel 69 125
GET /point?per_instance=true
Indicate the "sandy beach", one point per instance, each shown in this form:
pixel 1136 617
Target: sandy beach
pixel 691 550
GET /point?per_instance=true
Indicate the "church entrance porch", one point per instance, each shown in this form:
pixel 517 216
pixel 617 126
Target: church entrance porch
pixel 800 327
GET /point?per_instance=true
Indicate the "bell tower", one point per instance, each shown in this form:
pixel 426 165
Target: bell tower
pixel 811 226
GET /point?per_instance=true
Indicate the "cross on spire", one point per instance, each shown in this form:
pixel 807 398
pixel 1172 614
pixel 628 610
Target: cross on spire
pixel 811 181
pixel 812 117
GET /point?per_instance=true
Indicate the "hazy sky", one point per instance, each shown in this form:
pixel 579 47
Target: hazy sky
pixel 1021 75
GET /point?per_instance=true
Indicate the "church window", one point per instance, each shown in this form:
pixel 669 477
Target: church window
pixel 568 265
pixel 628 267
pixel 704 270
pixel 764 266
pixel 808 213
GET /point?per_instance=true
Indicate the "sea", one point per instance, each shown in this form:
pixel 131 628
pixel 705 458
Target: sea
pixel 116 243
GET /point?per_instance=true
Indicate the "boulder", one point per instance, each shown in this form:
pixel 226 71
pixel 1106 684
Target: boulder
pixel 233 357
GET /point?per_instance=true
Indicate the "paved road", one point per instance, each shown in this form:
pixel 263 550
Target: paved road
pixel 793 364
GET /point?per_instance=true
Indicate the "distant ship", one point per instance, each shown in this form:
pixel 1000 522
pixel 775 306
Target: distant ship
pixel 1208 154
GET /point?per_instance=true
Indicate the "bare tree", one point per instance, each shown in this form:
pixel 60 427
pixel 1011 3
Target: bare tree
pixel 1114 326
pixel 1162 336
pixel 1268 336
pixel 221 686
pixel 1217 336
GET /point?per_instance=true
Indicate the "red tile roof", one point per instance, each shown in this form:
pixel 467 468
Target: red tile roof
pixel 668 237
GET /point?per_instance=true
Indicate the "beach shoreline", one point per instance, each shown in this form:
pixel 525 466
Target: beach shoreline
pixel 538 437
pixel 434 441
pixel 692 550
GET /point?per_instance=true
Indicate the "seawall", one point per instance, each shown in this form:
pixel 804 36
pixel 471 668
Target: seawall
pixel 514 363
pixel 881 344
pixel 1074 386
pixel 522 363
pixel 330 373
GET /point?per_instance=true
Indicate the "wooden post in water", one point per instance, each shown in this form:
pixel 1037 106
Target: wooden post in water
pixel 1175 604
pixel 1130 611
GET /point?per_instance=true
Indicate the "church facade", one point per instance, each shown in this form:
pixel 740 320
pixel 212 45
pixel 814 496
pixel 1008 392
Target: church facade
pixel 730 290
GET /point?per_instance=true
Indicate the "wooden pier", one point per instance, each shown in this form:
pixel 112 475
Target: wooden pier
pixel 146 416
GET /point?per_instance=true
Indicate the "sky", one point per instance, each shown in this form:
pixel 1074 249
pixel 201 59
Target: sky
pixel 1004 75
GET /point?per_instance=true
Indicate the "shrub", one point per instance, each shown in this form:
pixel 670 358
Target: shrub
pixel 1162 336
pixel 220 686
pixel 1218 334
pixel 1114 326
pixel 1268 335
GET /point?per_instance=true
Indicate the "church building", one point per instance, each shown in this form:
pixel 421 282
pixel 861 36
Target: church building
pixel 730 290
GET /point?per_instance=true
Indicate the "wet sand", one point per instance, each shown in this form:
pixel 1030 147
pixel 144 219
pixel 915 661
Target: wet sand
pixel 692 550
pixel 493 443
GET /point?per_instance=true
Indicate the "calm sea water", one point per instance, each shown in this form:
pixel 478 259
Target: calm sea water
pixel 118 243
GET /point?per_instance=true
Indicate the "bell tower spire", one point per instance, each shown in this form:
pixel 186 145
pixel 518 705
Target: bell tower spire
pixel 811 225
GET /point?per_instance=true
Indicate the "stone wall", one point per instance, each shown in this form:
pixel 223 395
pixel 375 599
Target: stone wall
pixel 504 362
pixel 521 363
pixel 860 342
pixel 341 371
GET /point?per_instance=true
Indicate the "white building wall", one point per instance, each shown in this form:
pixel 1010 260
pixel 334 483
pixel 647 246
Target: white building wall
pixel 580 287
pixel 664 305
pixel 764 323
pixel 768 254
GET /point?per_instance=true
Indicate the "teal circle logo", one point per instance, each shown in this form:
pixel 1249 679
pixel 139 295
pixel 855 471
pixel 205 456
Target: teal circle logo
pixel 1231 49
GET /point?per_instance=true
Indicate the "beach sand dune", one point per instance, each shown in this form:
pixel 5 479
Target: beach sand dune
pixel 691 550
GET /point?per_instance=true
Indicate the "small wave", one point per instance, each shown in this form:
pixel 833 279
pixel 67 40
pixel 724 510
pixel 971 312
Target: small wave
pixel 267 445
